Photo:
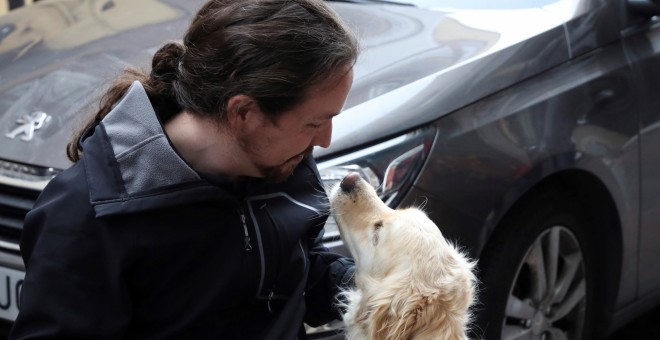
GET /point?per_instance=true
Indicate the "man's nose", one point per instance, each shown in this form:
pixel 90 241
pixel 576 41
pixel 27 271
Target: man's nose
pixel 324 136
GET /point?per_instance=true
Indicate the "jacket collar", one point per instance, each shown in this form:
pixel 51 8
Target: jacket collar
pixel 131 165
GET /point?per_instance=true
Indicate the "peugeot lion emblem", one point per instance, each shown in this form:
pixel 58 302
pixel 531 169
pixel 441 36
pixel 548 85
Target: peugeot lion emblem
pixel 28 124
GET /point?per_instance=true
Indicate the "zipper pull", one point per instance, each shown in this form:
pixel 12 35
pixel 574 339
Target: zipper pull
pixel 270 297
pixel 246 240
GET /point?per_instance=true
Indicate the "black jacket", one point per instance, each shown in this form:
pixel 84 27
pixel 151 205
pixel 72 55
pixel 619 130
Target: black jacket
pixel 130 242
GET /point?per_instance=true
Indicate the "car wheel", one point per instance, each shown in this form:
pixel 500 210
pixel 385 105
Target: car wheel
pixel 536 277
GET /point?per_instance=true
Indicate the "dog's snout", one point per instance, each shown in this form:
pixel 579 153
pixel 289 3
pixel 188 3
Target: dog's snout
pixel 348 183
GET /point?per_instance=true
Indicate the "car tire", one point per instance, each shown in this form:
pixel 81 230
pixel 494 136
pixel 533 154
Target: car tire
pixel 537 281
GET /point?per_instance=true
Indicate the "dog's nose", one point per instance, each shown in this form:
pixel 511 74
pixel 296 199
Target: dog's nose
pixel 348 183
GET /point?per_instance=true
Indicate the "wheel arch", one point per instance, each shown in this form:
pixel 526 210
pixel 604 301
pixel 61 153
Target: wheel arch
pixel 604 228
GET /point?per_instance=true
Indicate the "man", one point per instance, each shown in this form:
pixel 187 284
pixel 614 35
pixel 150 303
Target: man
pixel 194 209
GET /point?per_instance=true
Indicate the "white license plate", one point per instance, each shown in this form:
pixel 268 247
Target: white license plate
pixel 11 281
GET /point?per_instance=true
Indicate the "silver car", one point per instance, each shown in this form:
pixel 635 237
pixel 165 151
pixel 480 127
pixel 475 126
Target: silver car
pixel 527 129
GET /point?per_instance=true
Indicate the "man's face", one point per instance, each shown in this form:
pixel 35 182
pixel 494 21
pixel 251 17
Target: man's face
pixel 276 148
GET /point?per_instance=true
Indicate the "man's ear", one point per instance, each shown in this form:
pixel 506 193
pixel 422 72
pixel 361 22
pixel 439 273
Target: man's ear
pixel 243 112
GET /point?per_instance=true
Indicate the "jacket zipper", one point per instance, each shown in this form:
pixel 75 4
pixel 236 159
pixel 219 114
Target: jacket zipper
pixel 246 239
pixel 270 298
pixel 264 207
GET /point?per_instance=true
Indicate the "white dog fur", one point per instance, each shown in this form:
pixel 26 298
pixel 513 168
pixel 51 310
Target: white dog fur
pixel 410 282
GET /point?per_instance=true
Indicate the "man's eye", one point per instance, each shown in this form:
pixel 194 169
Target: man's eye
pixel 315 126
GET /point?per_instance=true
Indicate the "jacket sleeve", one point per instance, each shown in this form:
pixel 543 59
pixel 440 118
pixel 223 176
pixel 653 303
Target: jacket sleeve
pixel 73 286
pixel 330 273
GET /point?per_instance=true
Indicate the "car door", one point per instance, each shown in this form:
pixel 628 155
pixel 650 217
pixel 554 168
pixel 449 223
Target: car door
pixel 642 41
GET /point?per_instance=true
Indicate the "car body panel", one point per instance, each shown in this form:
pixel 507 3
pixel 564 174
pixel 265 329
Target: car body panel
pixel 493 152
pixel 463 79
pixel 645 56
pixel 582 16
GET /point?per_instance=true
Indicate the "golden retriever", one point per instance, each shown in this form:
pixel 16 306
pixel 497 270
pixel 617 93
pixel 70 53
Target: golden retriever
pixel 410 282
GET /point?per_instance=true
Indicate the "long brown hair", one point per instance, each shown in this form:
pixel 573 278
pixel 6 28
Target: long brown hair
pixel 270 50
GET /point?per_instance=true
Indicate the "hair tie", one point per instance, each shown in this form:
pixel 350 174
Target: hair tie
pixel 172 73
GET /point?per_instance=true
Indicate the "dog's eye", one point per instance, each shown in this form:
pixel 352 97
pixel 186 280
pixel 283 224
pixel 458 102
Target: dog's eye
pixel 378 225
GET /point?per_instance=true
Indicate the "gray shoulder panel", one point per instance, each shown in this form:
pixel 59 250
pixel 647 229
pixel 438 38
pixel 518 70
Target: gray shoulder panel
pixel 145 157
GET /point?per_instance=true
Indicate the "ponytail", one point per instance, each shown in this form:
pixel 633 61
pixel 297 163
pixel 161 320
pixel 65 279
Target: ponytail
pixel 158 85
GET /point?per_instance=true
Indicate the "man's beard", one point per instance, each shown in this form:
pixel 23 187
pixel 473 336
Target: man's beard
pixel 277 173
pixel 280 173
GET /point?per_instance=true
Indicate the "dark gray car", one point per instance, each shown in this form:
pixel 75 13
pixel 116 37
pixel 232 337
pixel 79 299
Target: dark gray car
pixel 527 129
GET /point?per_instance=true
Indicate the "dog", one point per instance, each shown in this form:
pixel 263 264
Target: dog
pixel 410 283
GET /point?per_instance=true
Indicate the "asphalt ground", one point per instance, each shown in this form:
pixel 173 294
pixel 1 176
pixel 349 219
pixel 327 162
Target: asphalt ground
pixel 647 327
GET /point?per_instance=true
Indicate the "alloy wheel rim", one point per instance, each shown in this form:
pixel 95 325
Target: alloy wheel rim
pixel 548 298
